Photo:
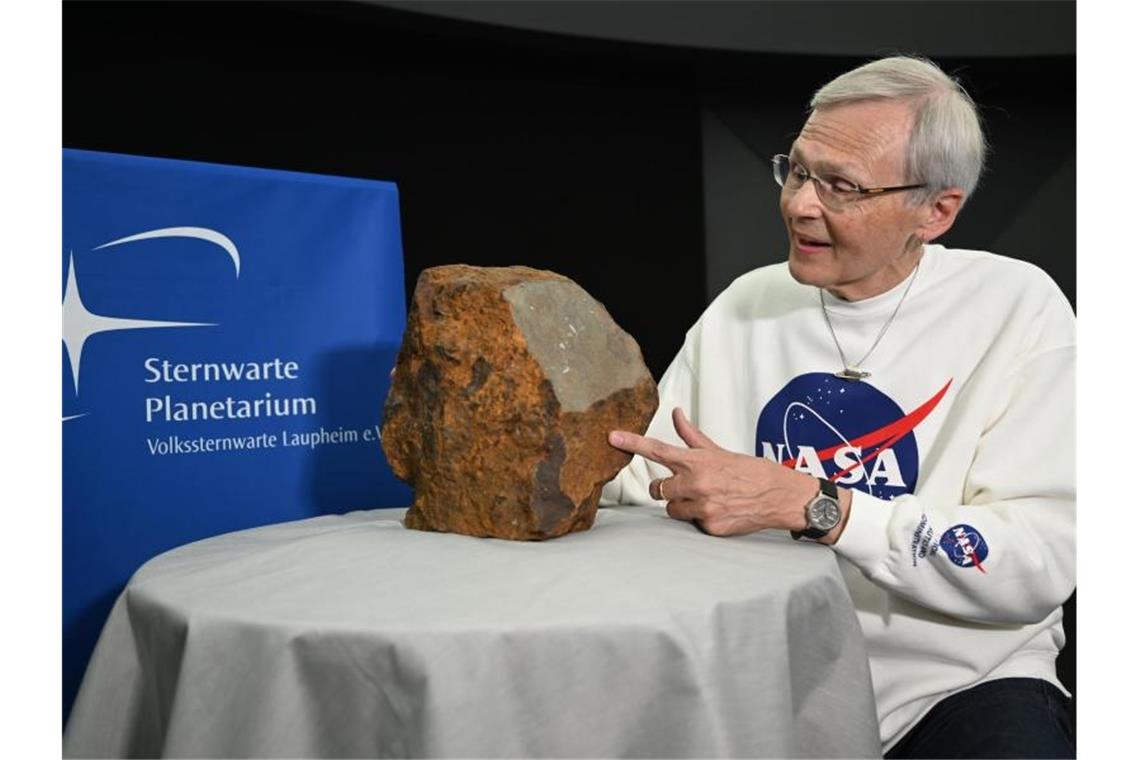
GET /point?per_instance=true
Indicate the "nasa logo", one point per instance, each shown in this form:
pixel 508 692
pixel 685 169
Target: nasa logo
pixel 965 546
pixel 851 433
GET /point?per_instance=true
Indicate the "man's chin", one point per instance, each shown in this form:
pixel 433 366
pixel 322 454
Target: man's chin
pixel 808 272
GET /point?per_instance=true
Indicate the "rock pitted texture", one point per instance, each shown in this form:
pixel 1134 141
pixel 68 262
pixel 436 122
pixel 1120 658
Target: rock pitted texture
pixel 505 387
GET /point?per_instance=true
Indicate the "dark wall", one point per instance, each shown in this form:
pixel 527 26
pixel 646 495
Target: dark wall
pixel 506 150
pixel 637 169
pixel 998 28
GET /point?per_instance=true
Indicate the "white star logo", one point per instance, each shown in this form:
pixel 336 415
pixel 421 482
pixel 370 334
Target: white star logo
pixel 79 323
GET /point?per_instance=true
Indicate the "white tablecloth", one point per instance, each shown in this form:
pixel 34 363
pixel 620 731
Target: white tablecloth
pixel 351 636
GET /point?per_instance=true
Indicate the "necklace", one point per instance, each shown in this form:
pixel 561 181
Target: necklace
pixel 854 373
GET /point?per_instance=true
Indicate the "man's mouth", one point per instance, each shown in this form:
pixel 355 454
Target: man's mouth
pixel 810 244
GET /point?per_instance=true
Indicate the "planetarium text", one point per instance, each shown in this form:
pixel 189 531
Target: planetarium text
pixel 168 408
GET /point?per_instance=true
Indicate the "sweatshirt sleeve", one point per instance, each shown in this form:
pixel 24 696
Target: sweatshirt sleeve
pixel 1006 555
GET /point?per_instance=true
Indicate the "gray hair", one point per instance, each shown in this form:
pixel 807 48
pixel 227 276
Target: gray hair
pixel 947 148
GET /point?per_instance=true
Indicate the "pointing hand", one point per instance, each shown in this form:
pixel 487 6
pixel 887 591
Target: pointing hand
pixel 722 492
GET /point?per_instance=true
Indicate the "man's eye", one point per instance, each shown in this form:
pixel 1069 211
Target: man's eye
pixel 840 185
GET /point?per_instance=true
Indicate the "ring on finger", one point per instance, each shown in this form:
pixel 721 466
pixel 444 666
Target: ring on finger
pixel 661 489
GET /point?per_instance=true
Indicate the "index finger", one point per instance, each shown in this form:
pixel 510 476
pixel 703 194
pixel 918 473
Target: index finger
pixel 650 448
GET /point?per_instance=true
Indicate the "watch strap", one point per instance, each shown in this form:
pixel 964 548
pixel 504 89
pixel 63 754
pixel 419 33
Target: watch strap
pixel 812 533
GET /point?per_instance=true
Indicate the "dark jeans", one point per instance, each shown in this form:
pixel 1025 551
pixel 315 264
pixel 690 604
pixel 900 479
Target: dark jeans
pixel 1009 717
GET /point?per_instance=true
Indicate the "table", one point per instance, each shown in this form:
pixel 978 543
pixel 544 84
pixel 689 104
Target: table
pixel 352 636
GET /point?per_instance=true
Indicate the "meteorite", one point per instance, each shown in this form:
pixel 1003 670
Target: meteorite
pixel 507 382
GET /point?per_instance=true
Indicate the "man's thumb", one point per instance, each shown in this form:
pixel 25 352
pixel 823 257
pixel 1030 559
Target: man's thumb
pixel 689 433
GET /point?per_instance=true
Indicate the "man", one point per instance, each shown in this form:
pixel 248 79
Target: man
pixel 907 405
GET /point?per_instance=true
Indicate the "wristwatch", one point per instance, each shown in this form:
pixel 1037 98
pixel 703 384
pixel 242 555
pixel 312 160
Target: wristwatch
pixel 822 512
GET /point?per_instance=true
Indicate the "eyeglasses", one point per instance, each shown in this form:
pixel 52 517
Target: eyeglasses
pixel 833 191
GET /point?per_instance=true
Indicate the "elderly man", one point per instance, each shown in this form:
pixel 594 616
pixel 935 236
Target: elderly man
pixel 908 405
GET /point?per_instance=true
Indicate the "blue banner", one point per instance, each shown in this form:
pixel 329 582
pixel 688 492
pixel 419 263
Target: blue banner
pixel 227 338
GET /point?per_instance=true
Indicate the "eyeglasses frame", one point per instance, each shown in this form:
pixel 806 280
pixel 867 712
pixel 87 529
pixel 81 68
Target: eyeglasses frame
pixel 862 192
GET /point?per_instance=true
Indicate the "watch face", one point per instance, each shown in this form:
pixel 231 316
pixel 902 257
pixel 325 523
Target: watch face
pixel 824 513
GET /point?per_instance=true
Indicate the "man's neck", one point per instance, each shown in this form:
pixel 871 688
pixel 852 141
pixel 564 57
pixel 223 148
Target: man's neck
pixel 881 281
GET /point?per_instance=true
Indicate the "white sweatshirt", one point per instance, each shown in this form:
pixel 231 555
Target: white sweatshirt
pixel 959 448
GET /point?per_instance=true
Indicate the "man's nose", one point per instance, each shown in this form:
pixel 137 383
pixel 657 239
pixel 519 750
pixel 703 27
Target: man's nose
pixel 804 201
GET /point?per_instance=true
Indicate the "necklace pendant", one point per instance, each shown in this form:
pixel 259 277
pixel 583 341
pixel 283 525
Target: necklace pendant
pixel 852 374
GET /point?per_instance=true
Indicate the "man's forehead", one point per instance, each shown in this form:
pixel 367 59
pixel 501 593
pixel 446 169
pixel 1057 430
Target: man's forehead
pixel 856 136
pixel 819 158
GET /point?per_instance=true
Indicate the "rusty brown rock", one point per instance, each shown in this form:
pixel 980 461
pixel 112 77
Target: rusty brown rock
pixel 505 387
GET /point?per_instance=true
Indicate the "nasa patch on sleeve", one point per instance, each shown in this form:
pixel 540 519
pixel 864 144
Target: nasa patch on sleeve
pixel 965 546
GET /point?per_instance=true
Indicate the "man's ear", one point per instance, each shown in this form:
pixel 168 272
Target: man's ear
pixel 939 214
